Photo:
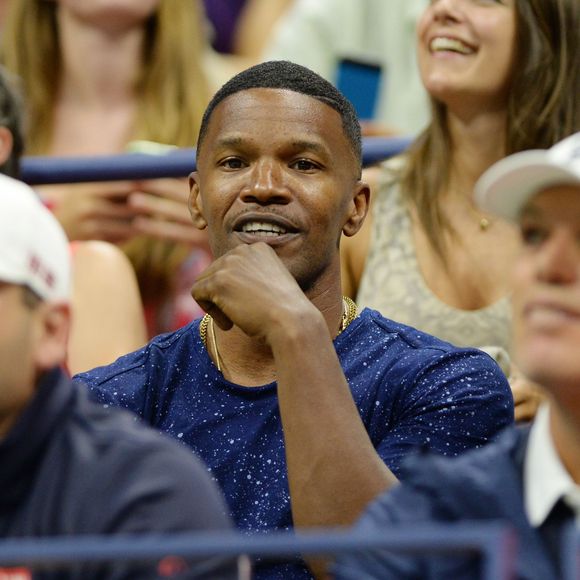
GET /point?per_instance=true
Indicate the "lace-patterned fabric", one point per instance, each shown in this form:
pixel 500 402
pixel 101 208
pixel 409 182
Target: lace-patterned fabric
pixel 392 282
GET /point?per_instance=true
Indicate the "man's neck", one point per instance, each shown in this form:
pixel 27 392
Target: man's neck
pixel 249 361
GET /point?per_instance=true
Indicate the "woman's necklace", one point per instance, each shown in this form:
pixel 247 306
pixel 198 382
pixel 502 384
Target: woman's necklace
pixel 349 313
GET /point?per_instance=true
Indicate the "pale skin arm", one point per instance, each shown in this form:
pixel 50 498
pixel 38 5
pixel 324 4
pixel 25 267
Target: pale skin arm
pixel 107 319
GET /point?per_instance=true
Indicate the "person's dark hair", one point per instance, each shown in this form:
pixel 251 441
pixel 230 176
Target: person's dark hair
pixel 282 74
pixel 11 117
pixel 542 106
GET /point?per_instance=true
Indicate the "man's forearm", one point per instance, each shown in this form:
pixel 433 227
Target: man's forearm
pixel 333 469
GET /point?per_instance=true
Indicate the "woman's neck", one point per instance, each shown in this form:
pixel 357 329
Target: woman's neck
pixel 100 68
pixel 477 142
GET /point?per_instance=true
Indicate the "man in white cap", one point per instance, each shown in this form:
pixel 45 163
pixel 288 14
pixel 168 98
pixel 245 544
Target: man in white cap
pixel 529 477
pixel 69 466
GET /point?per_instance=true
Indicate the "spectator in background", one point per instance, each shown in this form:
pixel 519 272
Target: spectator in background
pixel 291 384
pixel 223 17
pixel 502 77
pixel 239 30
pixel 530 477
pixel 108 316
pixel 96 76
pixel 70 467
pixel 319 34
pixel 241 27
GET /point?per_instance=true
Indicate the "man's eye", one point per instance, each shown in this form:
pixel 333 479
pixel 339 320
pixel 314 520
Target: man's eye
pixel 304 165
pixel 532 235
pixel 232 163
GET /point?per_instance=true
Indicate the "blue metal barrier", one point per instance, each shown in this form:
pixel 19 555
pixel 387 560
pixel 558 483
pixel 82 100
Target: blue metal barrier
pixel 493 541
pixel 175 163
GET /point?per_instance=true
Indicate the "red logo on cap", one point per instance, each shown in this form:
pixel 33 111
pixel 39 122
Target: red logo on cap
pixel 42 271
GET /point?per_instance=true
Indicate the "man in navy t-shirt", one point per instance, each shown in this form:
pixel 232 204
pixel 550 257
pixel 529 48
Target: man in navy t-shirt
pixel 301 406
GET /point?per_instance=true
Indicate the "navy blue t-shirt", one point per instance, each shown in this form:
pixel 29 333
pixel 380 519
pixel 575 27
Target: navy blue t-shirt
pixel 410 388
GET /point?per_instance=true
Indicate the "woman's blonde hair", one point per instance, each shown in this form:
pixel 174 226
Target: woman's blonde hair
pixel 172 89
pixel 172 92
pixel 543 107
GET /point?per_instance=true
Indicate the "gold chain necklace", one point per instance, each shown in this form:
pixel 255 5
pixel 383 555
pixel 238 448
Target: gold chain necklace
pixel 349 313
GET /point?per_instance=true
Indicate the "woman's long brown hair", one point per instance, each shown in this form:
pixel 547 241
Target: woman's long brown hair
pixel 543 107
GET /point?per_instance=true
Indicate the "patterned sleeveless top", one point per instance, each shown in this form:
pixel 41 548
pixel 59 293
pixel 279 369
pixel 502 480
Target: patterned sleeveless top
pixel 393 284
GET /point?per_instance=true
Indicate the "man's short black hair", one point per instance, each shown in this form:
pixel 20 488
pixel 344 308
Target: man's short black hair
pixel 282 74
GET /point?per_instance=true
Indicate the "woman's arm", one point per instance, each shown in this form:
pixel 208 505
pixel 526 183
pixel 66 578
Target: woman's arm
pixel 108 318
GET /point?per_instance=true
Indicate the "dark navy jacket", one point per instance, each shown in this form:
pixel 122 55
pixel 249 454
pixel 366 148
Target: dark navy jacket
pixel 485 484
pixel 69 466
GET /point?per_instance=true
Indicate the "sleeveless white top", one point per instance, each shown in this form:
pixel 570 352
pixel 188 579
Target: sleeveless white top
pixel 392 282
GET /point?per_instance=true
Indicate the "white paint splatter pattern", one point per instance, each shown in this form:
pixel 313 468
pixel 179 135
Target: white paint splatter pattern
pixel 411 389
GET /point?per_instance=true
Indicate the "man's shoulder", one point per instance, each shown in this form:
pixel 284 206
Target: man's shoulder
pixel 162 351
pixel 385 331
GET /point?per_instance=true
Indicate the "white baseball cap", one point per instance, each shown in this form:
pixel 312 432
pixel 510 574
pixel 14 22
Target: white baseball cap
pixel 508 184
pixel 34 250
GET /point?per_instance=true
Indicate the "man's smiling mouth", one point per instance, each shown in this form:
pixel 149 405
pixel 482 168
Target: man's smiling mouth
pixel 268 227
pixel 264 229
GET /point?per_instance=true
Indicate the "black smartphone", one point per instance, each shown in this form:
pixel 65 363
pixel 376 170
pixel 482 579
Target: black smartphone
pixel 360 81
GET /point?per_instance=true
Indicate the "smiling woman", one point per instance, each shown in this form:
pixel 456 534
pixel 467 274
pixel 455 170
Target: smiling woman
pixel 502 77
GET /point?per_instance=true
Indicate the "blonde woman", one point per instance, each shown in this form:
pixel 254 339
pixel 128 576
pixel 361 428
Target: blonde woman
pixel 97 75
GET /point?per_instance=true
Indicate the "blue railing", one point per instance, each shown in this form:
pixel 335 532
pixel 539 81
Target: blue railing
pixel 492 541
pixel 174 163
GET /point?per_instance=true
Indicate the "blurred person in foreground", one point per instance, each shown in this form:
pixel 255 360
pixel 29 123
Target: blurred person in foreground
pixel 530 477
pixel 284 382
pixel 70 467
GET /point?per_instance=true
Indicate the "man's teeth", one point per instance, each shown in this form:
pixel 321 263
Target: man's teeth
pixel 263 228
pixel 450 44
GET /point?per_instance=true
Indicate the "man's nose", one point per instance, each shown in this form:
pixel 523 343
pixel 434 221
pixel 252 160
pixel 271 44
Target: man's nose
pixel 559 258
pixel 266 184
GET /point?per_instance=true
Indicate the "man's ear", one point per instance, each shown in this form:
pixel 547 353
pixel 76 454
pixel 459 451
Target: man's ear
pixel 358 209
pixel 6 143
pixel 53 327
pixel 195 204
